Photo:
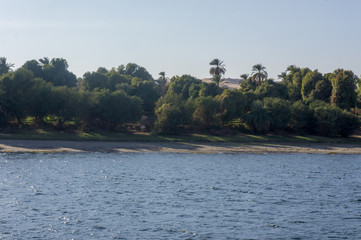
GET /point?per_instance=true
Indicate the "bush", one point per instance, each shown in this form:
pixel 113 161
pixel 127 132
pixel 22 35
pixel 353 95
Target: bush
pixel 205 113
pixel 258 118
pixel 332 120
pixel 302 119
pixel 279 112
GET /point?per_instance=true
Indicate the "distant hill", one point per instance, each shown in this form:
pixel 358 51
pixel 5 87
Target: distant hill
pixel 229 83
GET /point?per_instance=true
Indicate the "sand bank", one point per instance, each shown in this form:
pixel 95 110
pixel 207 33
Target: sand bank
pixel 172 147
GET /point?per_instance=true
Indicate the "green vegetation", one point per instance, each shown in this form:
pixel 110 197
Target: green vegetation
pixel 116 104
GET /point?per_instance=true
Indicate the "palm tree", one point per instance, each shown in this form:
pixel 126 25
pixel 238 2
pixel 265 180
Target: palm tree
pixel 162 75
pixel 4 66
pixel 217 71
pixel 244 76
pixel 282 76
pixel 162 82
pixel 44 61
pixel 259 73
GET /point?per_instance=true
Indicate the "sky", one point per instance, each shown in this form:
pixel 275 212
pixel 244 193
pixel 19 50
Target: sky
pixel 183 36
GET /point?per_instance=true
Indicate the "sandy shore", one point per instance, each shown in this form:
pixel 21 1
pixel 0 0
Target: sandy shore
pixel 77 146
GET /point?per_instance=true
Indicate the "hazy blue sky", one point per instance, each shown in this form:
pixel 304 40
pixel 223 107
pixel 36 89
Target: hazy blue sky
pixel 182 37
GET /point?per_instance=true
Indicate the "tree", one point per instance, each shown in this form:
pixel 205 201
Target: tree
pixel 332 120
pixel 137 71
pixel 232 105
pixel 162 82
pixel 259 73
pixel 147 91
pixel 15 88
pixel 282 76
pixel 182 85
pixel 40 96
pixel 116 108
pixel 92 80
pixel 57 72
pixel 309 83
pixel 244 76
pixel 44 61
pixel 205 113
pixel 217 70
pixel 35 67
pixel 293 81
pixel 322 91
pixel 269 88
pixel 208 89
pixel 248 86
pixel 358 91
pixel 62 104
pixel 258 118
pixel 118 81
pixel 4 66
pixel 278 111
pixel 302 119
pixel 171 113
pixel 343 89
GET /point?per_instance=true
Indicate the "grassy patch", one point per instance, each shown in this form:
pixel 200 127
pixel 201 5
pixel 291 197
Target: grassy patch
pixel 43 134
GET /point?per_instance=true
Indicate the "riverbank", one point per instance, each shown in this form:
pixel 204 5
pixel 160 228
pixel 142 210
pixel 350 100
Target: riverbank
pixel 51 146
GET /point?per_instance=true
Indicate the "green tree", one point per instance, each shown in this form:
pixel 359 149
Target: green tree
pixel 162 83
pixel 15 97
pixel 44 61
pixel 279 112
pixel 358 91
pixel 85 108
pixel 63 104
pixel 115 108
pixel 309 83
pixel 217 70
pixel 93 80
pixel 102 70
pixel 182 85
pixel 293 81
pixel 147 91
pixel 35 67
pixel 269 88
pixel 57 73
pixel 205 114
pixel 259 73
pixel 135 70
pixel 233 105
pixel 40 95
pixel 322 91
pixel 258 118
pixel 5 67
pixel 332 120
pixel 343 89
pixel 244 76
pixel 171 114
pixel 208 89
pixel 302 119
pixel 118 81
pixel 248 86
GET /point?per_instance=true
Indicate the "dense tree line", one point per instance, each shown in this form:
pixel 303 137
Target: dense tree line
pixel 44 93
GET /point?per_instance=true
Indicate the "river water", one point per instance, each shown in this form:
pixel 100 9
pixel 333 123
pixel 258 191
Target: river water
pixel 180 196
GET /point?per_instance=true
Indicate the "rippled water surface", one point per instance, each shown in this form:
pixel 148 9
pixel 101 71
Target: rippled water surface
pixel 180 196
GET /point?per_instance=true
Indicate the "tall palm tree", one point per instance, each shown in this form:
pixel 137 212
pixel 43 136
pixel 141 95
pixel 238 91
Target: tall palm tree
pixel 4 66
pixel 217 70
pixel 259 73
pixel 162 75
pixel 162 82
